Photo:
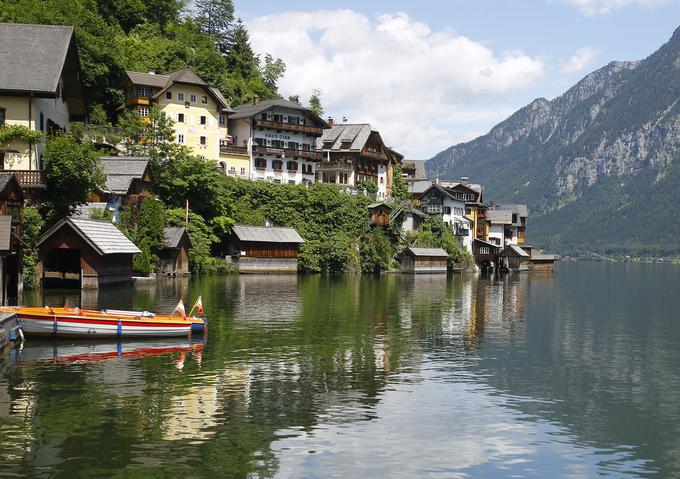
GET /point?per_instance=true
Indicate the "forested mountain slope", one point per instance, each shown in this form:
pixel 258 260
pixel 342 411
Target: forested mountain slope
pixel 598 165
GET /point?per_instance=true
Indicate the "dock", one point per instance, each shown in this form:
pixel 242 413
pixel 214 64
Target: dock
pixel 9 326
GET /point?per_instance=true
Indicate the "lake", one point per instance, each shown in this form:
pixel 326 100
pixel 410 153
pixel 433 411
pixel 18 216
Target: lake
pixel 572 374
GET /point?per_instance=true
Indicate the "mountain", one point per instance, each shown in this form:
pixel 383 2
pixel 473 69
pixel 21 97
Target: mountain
pixel 599 166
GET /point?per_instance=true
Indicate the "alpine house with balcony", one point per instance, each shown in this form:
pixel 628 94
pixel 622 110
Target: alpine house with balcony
pixel 355 153
pixel 280 137
pixel 40 89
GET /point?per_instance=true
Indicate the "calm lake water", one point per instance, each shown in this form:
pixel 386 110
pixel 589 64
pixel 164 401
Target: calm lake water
pixel 574 374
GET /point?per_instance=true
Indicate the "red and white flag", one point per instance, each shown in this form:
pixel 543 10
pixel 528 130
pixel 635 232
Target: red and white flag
pixel 199 306
pixel 180 309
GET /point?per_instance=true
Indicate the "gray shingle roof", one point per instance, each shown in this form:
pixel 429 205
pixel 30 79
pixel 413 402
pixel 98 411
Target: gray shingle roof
pixel 5 233
pixel 248 110
pixel 103 236
pixel 499 217
pixel 435 252
pixel 521 210
pixel 32 56
pixel 121 170
pixel 355 134
pixel 516 250
pixel 172 236
pixel 149 79
pixel 264 234
pixel 5 178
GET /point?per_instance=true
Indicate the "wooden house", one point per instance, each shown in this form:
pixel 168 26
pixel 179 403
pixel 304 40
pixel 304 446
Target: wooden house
pixel 174 257
pixel 485 254
pixel 424 260
pixel 380 214
pixel 11 247
pixel 80 253
pixel 540 261
pixel 263 249
pixel 514 258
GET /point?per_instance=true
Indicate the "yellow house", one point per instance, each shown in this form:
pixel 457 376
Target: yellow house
pixel 40 89
pixel 199 113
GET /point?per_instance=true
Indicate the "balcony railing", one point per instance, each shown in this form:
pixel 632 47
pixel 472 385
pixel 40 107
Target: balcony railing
pixel 277 125
pixel 334 166
pixel 29 178
pixel 288 152
pixel 378 155
pixel 233 150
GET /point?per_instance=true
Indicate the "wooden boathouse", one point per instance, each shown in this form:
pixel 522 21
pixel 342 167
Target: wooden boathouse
pixel 80 253
pixel 174 257
pixel 265 249
pixel 514 258
pixel 424 260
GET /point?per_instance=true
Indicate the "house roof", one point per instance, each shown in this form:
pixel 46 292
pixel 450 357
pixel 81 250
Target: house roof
pixel 248 110
pixel 266 234
pixel 172 236
pixel 486 243
pixel 166 80
pixel 6 179
pixel 541 256
pixel 340 134
pixel 430 252
pixel 102 236
pixel 35 57
pixel 122 170
pixel 380 203
pixel 514 250
pixel 418 186
pixel 499 217
pixel 5 233
pixel 521 210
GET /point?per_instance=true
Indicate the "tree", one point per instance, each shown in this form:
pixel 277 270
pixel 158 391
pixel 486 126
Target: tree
pixel 399 185
pixel 241 59
pixel 202 239
pixel 31 228
pixel 72 172
pixel 376 252
pixel 295 99
pixel 273 69
pixel 315 102
pixel 215 17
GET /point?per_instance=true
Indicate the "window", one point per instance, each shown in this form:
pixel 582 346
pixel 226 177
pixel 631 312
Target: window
pixel 180 117
pixel 2 117
pixel 203 141
pixel 277 143
pixel 447 210
pixel 168 95
pixel 243 171
pixel 484 250
pixel 180 139
pixel 278 118
pixel 291 165
pixel 192 98
pixel 180 96
pixel 204 120
pixel 42 122
pixel 223 120
pixel 143 92
pixel 144 111
pixel 204 99
pixel 263 116
pixel 345 145
pixel 277 165
pixel 293 145
pixel 260 163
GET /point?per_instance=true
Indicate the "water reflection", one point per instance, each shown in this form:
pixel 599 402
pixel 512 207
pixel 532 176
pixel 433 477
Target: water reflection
pixel 412 376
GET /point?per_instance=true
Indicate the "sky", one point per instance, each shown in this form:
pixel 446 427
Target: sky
pixel 429 74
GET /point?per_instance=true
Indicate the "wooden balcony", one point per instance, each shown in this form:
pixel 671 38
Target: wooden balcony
pixel 376 155
pixel 267 150
pixel 277 125
pixel 334 166
pixel 233 150
pixel 29 179
pixel 306 154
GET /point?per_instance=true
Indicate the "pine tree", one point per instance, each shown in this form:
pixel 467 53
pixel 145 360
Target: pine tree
pixel 216 18
pixel 315 102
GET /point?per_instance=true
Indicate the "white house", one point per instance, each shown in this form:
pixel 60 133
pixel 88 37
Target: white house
pixel 280 137
pixel 450 204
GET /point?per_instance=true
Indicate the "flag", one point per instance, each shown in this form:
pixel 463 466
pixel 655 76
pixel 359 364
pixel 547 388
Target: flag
pixel 199 306
pixel 180 309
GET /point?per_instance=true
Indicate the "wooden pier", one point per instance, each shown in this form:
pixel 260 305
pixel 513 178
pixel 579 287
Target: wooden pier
pixel 9 326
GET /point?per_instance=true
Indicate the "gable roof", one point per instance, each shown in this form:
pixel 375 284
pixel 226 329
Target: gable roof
pixel 499 217
pixel 355 134
pixel 166 80
pixel 35 57
pixel 521 210
pixel 102 236
pixel 122 170
pixel 266 234
pixel 430 252
pixel 172 236
pixel 7 178
pixel 248 110
pixel 514 250
pixel 443 190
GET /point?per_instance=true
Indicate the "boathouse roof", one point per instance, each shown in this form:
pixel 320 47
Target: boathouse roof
pixel 266 234
pixel 102 236
pixel 427 252
pixel 514 250
pixel 121 171
pixel 172 236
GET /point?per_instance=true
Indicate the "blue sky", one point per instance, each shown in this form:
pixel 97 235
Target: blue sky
pixel 429 74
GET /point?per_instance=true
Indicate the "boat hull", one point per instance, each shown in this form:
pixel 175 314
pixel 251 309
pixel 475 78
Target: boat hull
pixel 85 328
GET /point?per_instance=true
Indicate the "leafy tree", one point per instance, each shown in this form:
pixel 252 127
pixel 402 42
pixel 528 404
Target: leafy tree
pixel 202 239
pixel 434 233
pixel 295 99
pixel 368 185
pixel 273 69
pixel 315 102
pixel 72 171
pixel 399 185
pixel 98 116
pixel 31 228
pixel 142 262
pixel 376 252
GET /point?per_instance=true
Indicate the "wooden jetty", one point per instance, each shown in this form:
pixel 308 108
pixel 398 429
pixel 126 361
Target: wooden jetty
pixel 9 328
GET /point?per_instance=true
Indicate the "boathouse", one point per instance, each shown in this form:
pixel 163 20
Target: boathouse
pixel 265 249
pixel 174 257
pixel 514 258
pixel 11 247
pixel 485 254
pixel 379 213
pixel 80 253
pixel 424 260
pixel 540 261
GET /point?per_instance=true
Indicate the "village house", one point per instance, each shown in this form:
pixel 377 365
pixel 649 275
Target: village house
pixel 449 203
pixel 279 137
pixel 353 153
pixel 265 249
pixel 174 257
pixel 199 112
pixel 485 254
pixel 424 260
pixel 11 247
pixel 40 89
pixel 515 233
pixel 81 253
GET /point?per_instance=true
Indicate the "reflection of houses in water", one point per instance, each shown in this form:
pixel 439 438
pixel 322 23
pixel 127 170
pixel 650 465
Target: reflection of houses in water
pixel 269 298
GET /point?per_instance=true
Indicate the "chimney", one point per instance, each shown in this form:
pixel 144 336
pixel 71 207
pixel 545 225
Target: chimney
pixel 344 119
pixel 464 180
pixel 330 120
pixel 256 99
pixel 436 181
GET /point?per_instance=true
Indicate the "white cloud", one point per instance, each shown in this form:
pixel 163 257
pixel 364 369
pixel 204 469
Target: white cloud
pixel 580 60
pixel 601 7
pixel 424 90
